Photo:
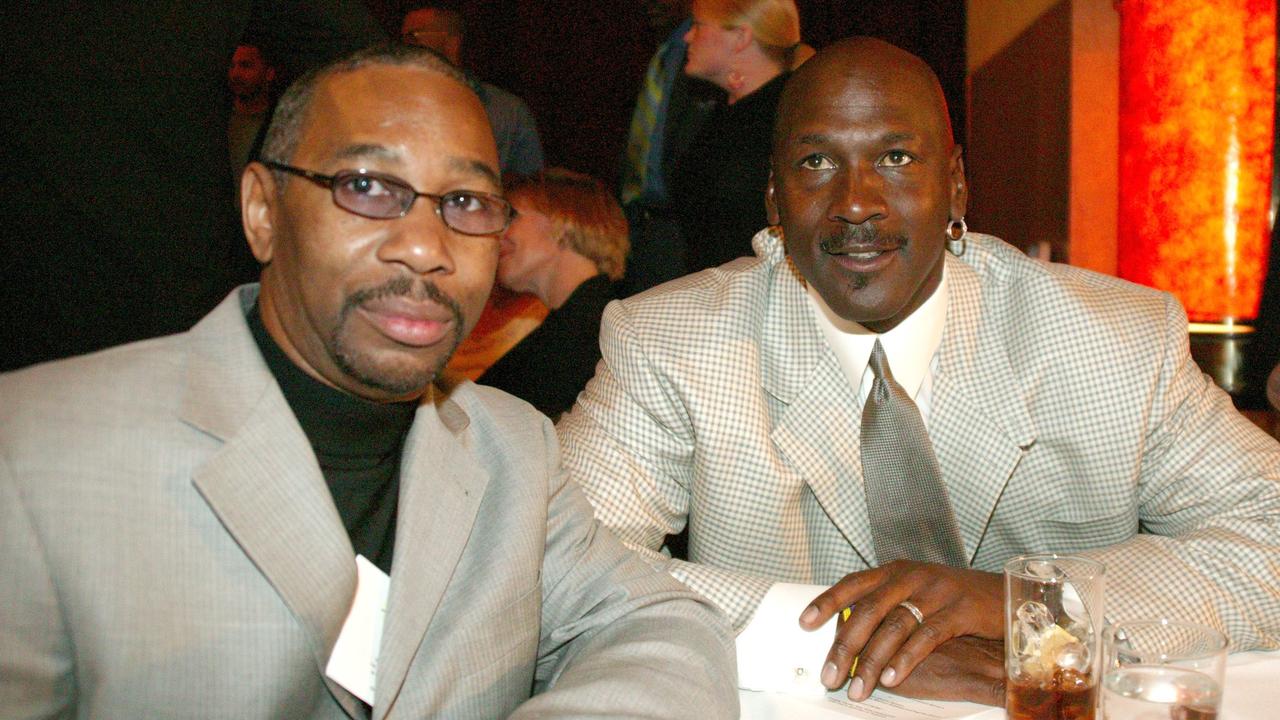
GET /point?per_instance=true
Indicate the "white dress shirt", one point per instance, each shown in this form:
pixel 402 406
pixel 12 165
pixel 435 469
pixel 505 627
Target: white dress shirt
pixel 773 652
pixel 911 347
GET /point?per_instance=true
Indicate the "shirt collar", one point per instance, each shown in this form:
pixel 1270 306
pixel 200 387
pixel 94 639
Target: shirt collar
pixel 909 347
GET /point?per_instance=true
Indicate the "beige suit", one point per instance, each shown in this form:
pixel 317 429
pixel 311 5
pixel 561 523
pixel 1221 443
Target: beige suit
pixel 1066 413
pixel 169 548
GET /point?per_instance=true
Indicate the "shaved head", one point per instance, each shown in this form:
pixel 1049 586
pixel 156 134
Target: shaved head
pixel 862 59
pixel 865 177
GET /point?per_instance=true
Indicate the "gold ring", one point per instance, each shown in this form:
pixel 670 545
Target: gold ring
pixel 915 611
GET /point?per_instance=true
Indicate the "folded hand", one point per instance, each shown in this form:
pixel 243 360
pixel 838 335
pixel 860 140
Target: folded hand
pixel 963 668
pixel 885 636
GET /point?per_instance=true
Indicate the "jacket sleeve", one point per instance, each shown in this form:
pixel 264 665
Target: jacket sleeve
pixel 620 638
pixel 1208 541
pixel 36 678
pixel 639 480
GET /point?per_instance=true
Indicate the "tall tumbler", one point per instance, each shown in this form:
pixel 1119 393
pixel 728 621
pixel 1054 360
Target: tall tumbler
pixel 1053 607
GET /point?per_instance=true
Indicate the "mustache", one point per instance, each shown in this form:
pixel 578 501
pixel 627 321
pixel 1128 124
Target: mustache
pixel 858 236
pixel 416 289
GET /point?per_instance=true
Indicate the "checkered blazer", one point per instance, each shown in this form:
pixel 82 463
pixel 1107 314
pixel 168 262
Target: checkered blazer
pixel 1067 416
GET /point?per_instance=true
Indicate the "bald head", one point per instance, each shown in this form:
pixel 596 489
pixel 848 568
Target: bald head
pixel 864 61
pixel 865 178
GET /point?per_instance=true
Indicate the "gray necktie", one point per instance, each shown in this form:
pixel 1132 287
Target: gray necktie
pixel 907 503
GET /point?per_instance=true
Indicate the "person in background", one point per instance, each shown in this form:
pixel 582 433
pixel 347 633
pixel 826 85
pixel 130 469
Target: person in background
pixel 276 515
pixel 670 109
pixel 882 408
pixel 567 246
pixel 118 221
pixel 442 30
pixel 249 79
pixel 747 48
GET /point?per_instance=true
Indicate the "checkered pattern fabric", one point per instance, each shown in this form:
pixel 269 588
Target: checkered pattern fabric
pixel 1067 415
pixel 907 503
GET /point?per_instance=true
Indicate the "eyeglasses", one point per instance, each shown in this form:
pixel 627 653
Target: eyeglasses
pixel 387 197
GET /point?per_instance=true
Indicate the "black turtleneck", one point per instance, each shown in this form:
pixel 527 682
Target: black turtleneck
pixel 357 442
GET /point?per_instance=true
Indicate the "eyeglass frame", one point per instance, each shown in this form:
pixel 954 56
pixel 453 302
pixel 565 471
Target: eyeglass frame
pixel 330 182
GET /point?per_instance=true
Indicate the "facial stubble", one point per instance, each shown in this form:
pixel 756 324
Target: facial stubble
pixel 361 366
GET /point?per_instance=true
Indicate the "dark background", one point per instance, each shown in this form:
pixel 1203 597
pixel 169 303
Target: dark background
pixel 579 63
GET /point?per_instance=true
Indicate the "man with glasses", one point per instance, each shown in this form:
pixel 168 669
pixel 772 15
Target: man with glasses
pixel 276 515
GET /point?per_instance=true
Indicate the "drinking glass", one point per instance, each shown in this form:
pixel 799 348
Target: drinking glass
pixel 1163 670
pixel 1053 607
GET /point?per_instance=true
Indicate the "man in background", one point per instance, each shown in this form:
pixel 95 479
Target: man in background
pixel 249 79
pixel 670 109
pixel 514 129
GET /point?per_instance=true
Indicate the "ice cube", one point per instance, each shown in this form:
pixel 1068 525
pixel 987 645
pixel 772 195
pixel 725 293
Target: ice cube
pixel 1035 617
pixel 1073 656
pixel 1033 621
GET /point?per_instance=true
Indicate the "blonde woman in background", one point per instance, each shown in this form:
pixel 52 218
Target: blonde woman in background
pixel 567 245
pixel 747 48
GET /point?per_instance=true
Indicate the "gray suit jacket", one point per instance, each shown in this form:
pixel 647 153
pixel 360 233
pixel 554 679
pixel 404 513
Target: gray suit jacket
pixel 169 548
pixel 1067 416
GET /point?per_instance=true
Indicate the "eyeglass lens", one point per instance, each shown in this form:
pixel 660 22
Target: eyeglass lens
pixel 381 196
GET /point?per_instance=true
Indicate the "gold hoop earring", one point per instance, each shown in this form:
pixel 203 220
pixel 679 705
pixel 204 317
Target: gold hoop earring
pixel 957 232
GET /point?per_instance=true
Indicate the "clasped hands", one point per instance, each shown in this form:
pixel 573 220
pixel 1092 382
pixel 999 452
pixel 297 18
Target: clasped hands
pixel 955 653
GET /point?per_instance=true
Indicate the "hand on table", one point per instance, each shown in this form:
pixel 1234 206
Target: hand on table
pixel 885 636
pixel 963 668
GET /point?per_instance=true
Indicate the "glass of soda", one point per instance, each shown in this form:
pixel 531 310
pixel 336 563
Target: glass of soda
pixel 1163 669
pixel 1053 607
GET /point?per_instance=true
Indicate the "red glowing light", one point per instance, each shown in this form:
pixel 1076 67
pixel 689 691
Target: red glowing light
pixel 1197 95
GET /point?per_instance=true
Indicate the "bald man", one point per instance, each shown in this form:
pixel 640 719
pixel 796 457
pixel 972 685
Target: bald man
pixel 1062 410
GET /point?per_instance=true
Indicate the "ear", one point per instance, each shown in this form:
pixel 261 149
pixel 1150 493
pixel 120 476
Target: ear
pixel 959 188
pixel 743 38
pixel 258 206
pixel 771 202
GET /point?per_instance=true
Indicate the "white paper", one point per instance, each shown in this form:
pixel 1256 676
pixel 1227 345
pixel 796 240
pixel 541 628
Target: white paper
pixel 354 661
pixel 775 653
pixel 836 705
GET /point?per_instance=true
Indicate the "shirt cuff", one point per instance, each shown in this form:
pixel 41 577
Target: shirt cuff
pixel 774 653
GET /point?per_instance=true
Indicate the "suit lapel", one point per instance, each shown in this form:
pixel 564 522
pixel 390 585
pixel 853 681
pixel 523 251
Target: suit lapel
pixel 441 486
pixel 819 430
pixel 264 484
pixel 978 421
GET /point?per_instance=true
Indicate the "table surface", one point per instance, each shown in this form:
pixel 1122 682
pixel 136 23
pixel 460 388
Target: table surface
pixel 1252 693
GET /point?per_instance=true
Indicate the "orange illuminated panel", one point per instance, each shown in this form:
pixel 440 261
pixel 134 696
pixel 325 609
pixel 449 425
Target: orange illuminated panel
pixel 1197 85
